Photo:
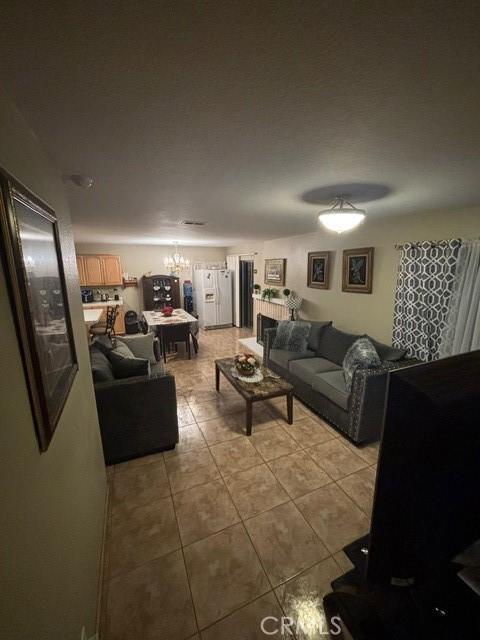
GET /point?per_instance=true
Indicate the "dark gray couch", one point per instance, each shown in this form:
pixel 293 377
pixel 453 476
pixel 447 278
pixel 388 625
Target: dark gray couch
pixel 137 415
pixel 317 378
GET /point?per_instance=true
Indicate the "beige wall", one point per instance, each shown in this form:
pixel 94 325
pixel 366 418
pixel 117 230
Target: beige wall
pixel 356 312
pixel 52 504
pixel 139 259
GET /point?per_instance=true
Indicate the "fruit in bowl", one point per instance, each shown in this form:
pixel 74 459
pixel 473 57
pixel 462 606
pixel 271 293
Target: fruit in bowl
pixel 167 311
pixel 246 364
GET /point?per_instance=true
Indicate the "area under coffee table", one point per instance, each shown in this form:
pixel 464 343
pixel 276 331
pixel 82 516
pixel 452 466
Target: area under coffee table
pixel 272 386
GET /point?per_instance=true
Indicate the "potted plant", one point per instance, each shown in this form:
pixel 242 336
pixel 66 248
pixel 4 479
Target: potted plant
pixel 286 292
pixel 246 364
pixel 257 288
pixel 268 293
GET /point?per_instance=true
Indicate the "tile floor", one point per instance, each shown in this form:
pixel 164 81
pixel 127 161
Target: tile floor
pixel 207 540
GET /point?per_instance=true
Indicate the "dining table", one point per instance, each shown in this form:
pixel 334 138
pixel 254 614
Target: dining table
pixel 160 323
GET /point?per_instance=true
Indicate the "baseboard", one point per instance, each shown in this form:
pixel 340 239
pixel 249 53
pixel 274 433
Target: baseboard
pixel 102 566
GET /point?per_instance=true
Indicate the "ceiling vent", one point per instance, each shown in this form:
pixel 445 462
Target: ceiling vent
pixel 192 223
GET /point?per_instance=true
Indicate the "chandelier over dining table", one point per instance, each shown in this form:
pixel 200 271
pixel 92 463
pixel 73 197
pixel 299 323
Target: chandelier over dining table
pixel 176 262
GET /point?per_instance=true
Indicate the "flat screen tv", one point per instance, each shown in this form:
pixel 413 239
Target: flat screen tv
pixel 427 494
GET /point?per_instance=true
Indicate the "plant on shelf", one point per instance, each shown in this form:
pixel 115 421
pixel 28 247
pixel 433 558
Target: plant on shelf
pixel 257 288
pixel 246 364
pixel 293 303
pixel 268 293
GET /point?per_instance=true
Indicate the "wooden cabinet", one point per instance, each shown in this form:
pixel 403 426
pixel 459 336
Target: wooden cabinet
pixel 99 270
pixel 93 270
pixel 161 291
pixel 81 271
pixel 112 270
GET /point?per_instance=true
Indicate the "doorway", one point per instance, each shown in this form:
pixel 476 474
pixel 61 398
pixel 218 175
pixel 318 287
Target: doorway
pixel 246 291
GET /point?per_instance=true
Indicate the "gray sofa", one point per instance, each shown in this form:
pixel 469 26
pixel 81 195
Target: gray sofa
pixel 317 377
pixel 137 415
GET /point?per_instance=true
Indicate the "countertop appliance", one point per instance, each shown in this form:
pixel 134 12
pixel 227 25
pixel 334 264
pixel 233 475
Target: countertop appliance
pixel 87 295
pixel 212 292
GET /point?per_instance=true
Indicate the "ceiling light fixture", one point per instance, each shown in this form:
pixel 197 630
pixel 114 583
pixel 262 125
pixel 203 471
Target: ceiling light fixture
pixel 342 216
pixel 176 262
pixel 79 180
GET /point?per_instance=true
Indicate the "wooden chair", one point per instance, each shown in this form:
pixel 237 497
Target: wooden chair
pixel 106 327
pixel 171 334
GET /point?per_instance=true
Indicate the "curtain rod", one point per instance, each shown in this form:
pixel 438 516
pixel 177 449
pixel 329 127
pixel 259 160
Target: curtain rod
pixel 433 243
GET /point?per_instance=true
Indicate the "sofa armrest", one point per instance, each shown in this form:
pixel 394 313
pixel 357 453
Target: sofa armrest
pixel 367 400
pixel 269 337
pixel 137 415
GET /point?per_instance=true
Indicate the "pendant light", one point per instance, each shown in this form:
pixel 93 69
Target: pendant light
pixel 176 262
pixel 342 216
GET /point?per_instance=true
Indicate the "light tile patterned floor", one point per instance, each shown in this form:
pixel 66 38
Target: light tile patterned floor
pixel 207 540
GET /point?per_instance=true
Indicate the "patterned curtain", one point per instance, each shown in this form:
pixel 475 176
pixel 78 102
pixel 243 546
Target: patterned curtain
pixel 424 285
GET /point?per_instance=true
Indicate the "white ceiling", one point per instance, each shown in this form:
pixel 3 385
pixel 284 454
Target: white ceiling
pixel 228 112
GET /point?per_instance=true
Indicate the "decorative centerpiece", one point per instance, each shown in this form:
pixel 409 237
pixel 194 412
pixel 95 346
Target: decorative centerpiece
pixel 268 293
pixel 167 311
pixel 247 368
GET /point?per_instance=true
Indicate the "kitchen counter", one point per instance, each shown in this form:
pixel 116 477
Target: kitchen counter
pixel 89 305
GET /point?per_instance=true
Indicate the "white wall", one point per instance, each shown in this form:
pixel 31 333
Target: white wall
pixel 52 512
pixel 139 259
pixel 355 312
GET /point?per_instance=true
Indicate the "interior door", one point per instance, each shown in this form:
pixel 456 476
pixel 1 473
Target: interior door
pixel 246 291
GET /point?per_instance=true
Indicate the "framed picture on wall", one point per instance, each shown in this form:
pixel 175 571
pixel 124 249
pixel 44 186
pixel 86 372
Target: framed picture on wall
pixel 34 271
pixel 275 271
pixel 318 269
pixel 357 272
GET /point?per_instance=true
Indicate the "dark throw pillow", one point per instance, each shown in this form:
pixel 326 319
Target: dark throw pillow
pixel 292 335
pixel 101 367
pixel 361 355
pixel 315 332
pixel 386 353
pixel 125 367
pixel 334 344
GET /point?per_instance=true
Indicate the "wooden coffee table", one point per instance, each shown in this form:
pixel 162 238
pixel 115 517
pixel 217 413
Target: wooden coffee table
pixel 271 386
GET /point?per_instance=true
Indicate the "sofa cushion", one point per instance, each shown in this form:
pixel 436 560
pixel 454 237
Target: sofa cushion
pixel 361 355
pixel 121 349
pixel 141 345
pixel 307 369
pixel 292 335
pixel 315 331
pixel 334 344
pixel 124 367
pixel 331 384
pixel 282 357
pixel 386 353
pixel 101 368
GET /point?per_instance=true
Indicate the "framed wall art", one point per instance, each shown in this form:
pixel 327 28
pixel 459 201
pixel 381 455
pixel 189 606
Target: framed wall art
pixel 318 269
pixel 357 270
pixel 36 281
pixel 275 271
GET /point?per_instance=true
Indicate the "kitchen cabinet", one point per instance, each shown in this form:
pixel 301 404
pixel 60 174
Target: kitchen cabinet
pixel 99 270
pixel 81 271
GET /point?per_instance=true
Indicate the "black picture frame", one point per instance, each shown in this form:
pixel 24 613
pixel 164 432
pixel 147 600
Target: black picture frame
pixel 318 276
pixel 32 260
pixel 357 272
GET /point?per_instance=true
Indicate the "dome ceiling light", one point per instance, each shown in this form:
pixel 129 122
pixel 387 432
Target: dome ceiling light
pixel 342 216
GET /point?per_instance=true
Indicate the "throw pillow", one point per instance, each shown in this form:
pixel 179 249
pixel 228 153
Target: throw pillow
pixel 387 353
pixel 292 335
pixel 128 367
pixel 315 332
pixel 122 350
pixel 140 345
pixel 361 355
pixel 333 344
pixel 103 344
pixel 101 367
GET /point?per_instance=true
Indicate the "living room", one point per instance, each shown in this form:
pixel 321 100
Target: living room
pixel 240 320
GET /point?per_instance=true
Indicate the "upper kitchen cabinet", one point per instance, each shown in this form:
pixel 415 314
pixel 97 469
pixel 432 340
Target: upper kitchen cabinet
pixel 99 270
pixel 112 270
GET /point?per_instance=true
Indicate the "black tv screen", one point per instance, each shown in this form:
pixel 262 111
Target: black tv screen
pixel 427 494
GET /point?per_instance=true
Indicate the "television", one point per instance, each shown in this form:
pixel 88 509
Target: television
pixel 427 493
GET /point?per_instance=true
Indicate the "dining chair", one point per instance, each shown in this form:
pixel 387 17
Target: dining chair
pixel 170 334
pixel 106 327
